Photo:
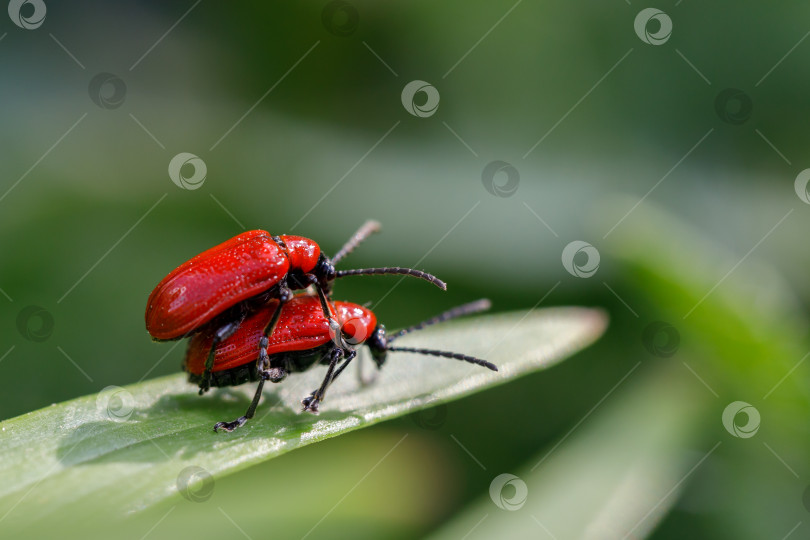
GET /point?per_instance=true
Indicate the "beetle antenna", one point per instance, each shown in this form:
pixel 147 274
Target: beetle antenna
pixel 445 354
pixel 393 270
pixel 466 309
pixel 367 229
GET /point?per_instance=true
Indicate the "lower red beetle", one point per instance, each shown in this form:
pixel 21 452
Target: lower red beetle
pixel 303 338
pixel 221 286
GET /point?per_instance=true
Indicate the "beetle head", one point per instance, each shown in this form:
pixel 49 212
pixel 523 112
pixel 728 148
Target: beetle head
pixel 377 344
pixel 324 271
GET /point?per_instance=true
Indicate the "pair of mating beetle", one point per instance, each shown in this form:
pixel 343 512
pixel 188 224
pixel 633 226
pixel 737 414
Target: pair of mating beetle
pixel 236 301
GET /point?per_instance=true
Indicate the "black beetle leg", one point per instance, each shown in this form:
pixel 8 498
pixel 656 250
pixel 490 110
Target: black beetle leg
pixel 222 333
pixel 349 356
pixel 334 325
pixel 284 296
pixel 265 374
pixel 311 402
pixel 275 374
pixel 230 426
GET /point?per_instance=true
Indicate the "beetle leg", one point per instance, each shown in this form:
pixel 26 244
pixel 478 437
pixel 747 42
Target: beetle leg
pixel 223 332
pixel 322 294
pixel 334 325
pixel 349 357
pixel 311 402
pixel 265 374
pixel 230 426
pixel 284 296
pixel 274 375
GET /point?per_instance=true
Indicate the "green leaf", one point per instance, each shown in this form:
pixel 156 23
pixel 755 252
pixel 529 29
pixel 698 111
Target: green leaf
pixel 126 449
pixel 745 335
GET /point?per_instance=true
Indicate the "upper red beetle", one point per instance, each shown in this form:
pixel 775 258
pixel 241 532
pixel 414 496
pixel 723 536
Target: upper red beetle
pixel 222 285
pixel 302 339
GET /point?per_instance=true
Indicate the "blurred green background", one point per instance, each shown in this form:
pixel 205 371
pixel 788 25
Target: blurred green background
pixel 685 189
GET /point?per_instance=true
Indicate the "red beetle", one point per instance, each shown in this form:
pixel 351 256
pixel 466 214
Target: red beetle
pixel 303 338
pixel 221 286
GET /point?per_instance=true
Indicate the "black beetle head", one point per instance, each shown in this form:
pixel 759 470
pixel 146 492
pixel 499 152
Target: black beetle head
pixel 324 271
pixel 377 344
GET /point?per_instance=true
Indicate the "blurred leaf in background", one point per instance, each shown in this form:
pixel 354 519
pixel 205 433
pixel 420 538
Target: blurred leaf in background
pixel 694 115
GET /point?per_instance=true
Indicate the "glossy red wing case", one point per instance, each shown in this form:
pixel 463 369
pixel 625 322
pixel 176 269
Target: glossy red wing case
pixel 203 287
pixel 301 326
